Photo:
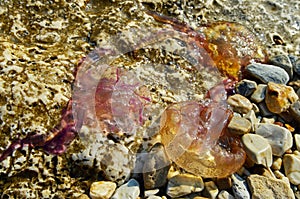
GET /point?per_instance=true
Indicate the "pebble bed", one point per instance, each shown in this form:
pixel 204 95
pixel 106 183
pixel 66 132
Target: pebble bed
pixel 266 116
pixel 39 53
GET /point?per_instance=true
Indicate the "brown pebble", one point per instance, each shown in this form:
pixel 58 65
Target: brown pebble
pixel 279 97
pixel 224 183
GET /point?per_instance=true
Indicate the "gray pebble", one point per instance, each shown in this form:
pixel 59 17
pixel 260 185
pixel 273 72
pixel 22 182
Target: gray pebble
pixel 239 187
pixel 246 87
pixel 295 110
pixel 284 62
pixel 264 111
pixel 296 66
pixel 268 73
pixel 279 138
pixel 129 190
pixel 259 94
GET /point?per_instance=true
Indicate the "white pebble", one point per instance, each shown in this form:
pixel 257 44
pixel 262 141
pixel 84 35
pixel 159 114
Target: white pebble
pixel 258 149
pixel 130 190
pixel 102 189
pixel 291 164
pixel 279 138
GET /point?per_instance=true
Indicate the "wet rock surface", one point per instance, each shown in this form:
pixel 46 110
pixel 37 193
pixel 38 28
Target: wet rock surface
pixel 42 43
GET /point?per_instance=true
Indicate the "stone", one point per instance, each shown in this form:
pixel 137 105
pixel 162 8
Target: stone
pixel 295 110
pixel 281 176
pixel 291 166
pixel 284 62
pixel 151 192
pixel 277 162
pixel 245 87
pixel 239 103
pixel 259 94
pixel 225 195
pixel 239 125
pixel 156 167
pixel 210 190
pixel 297 141
pixel 83 196
pixel 264 111
pixel 184 184
pixel 279 97
pixel 258 149
pixel 296 66
pixel 266 120
pixel 266 187
pixel 267 73
pixel 129 190
pixel 253 120
pixel 102 189
pixel 279 138
pixel 239 187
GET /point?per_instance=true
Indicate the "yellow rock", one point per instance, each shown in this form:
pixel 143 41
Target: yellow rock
pixel 279 97
pixel 102 189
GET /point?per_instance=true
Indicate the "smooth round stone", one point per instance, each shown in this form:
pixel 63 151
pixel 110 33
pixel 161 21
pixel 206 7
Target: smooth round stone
pixel 239 103
pixel 259 94
pixel 291 164
pixel 239 125
pixel 279 138
pixel 129 190
pixel 239 187
pixel 184 184
pixel 268 73
pixel 245 87
pixel 284 62
pixel 266 187
pixel 279 97
pixel 102 189
pixel 258 149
